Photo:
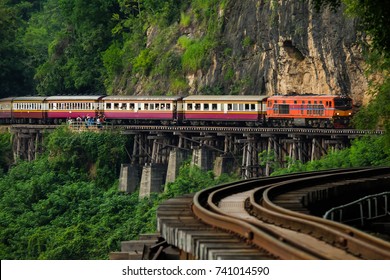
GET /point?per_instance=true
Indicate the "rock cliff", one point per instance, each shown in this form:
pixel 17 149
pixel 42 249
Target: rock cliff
pixel 276 47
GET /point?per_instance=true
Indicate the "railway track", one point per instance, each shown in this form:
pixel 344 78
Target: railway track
pixel 274 218
pixel 217 129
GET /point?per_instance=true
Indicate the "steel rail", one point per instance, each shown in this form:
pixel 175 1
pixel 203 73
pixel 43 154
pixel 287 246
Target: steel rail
pixel 205 208
pixel 346 237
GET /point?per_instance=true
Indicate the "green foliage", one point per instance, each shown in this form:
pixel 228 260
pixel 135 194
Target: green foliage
pixel 178 86
pixel 76 46
pixel 66 204
pixel 16 76
pixel 144 61
pixel 247 42
pixel 6 152
pixel 366 151
pixel 185 20
pixel 195 55
pixel 184 42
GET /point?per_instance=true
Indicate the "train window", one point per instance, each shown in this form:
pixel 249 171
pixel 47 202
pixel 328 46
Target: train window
pixel 229 107
pixel 284 109
pixel 269 103
pixel 124 106
pixel 168 106
pixel 162 106
pixel 151 106
pixel 214 106
pixel 206 107
pixel 235 106
pixel 197 106
pixel 253 107
pixel 295 102
pixel 116 106
pixel 132 106
pixel 189 106
pixel 246 107
pixel 157 106
pixel 330 104
pixel 146 106
pixel 108 106
pixel 240 107
pixel 321 110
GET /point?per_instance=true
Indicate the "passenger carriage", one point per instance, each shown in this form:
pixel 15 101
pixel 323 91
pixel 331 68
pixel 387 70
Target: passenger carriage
pixel 228 109
pixel 60 108
pixel 6 109
pixel 29 109
pixel 143 109
pixel 322 111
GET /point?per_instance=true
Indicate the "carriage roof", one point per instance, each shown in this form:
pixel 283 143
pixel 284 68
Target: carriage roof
pixel 141 98
pixel 74 98
pixel 225 98
pixel 29 98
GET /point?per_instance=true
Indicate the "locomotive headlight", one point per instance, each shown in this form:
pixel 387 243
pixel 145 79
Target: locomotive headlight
pixel 349 113
pixel 337 114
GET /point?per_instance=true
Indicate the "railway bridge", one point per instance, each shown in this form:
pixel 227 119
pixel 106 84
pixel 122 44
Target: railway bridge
pixel 158 151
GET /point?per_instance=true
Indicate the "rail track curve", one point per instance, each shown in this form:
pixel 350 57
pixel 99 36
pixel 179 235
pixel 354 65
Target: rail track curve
pixel 275 218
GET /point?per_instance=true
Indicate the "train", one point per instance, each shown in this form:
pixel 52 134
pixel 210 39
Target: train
pixel 306 110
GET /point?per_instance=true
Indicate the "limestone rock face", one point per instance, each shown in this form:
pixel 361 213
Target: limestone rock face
pixel 269 47
pixel 279 47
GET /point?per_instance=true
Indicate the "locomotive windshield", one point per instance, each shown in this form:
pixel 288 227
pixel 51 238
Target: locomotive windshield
pixel 343 103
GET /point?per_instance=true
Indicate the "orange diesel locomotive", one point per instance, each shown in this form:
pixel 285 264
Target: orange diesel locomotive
pixel 319 111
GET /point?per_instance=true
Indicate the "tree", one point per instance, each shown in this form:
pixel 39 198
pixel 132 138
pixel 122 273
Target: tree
pixel 15 75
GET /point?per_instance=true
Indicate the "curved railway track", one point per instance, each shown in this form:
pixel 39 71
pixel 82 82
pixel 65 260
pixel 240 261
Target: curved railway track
pixel 274 218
